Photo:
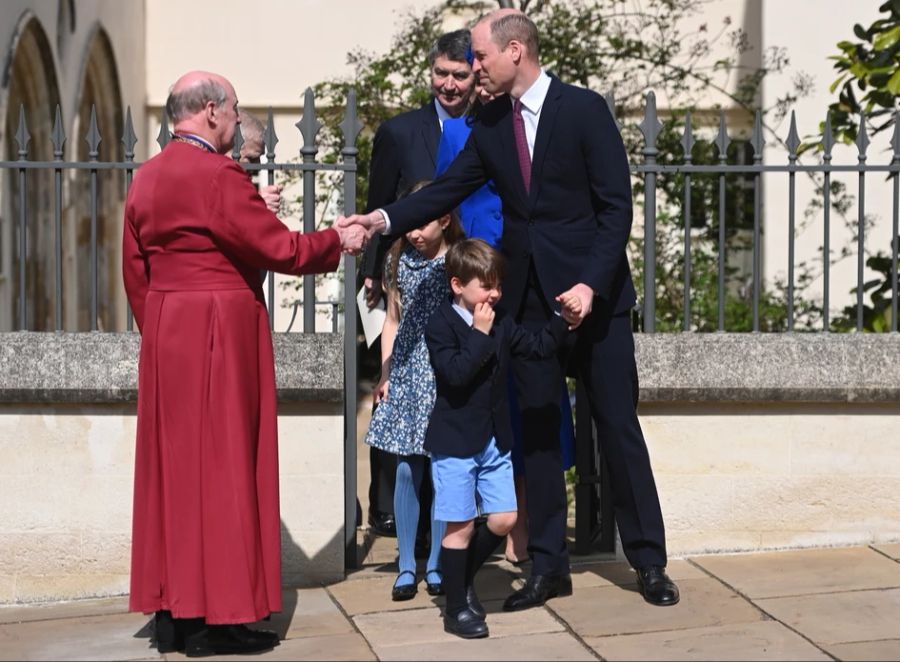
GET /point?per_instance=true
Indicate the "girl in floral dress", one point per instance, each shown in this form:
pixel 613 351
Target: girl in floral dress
pixel 416 287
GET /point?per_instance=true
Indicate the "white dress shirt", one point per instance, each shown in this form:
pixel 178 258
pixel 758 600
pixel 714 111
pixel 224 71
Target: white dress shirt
pixel 532 102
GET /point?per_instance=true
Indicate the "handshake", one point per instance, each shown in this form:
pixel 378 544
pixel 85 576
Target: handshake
pixel 354 231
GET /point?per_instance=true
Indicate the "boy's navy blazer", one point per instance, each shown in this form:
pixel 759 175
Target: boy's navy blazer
pixel 575 220
pixel 471 371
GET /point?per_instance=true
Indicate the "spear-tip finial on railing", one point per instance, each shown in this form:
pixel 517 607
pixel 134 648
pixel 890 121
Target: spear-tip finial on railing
pixel 350 125
pixel 650 126
pixel 129 138
pixel 862 137
pixel 757 139
pixel 687 139
pixel 93 138
pixel 22 135
pixel 722 140
pixel 237 143
pixel 164 136
pixel 58 137
pixel 827 139
pixel 309 126
pixel 269 136
pixel 793 139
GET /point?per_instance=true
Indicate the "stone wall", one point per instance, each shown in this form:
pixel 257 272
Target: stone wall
pixel 766 441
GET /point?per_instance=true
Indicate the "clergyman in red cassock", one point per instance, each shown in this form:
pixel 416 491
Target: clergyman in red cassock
pixel 206 548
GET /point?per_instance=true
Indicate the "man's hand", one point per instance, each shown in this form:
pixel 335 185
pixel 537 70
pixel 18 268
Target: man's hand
pixel 585 297
pixel 571 309
pixel 483 317
pixel 374 292
pixel 271 195
pixel 353 238
pixel 373 222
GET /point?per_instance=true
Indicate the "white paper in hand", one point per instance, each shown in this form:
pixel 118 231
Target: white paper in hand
pixel 372 318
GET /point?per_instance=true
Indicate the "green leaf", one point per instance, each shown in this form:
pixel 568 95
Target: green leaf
pixel 860 32
pixel 859 70
pixel 893 85
pixel 887 39
pixel 836 84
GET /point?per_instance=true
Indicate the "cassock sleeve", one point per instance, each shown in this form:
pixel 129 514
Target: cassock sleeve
pixel 242 226
pixel 135 268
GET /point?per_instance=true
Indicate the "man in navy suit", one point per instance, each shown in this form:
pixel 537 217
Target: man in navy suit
pixel 404 153
pixel 557 159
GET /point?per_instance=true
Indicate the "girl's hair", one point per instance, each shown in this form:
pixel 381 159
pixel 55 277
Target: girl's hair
pixel 452 234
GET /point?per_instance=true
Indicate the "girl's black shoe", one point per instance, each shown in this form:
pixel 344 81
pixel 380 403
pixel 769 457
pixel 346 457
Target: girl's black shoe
pixel 406 591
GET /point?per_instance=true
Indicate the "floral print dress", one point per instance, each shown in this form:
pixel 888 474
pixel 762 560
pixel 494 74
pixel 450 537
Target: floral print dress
pixel 400 421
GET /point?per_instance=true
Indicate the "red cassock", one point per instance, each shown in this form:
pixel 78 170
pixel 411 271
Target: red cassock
pixel 206 528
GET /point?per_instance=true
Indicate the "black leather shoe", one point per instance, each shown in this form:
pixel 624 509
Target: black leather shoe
pixel 168 638
pixel 382 524
pixel 466 625
pixel 228 640
pixel 537 590
pixel 474 603
pixel 406 591
pixel 656 587
pixel 434 588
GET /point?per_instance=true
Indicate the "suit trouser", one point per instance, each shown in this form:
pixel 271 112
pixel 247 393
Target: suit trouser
pixel 602 351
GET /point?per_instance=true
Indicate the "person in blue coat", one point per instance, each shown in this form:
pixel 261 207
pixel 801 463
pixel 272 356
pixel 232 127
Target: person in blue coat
pixel 481 216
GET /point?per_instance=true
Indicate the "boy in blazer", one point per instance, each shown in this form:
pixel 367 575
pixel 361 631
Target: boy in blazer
pixel 469 434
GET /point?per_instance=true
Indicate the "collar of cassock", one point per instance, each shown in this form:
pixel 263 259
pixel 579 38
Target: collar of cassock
pixel 194 140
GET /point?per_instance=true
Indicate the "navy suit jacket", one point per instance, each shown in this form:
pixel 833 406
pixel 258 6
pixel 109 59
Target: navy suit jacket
pixel 575 222
pixel 471 372
pixel 404 152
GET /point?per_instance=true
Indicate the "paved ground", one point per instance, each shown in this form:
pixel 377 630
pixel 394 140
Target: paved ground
pixel 797 605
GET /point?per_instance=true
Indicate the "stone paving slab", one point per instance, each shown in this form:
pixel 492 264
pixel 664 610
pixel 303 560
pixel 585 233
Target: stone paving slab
pixel 54 610
pixel 307 613
pixel 619 573
pixel 890 549
pixel 333 647
pixel 373 594
pixel 419 627
pixel 604 611
pixel 763 640
pixel 556 646
pixel 887 650
pixel 840 617
pixel 109 637
pixel 779 574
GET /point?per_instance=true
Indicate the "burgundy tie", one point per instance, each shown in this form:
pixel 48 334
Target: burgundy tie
pixel 522 145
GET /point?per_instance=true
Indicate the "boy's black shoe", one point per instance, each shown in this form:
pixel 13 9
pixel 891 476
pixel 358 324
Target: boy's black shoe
pixel 466 625
pixel 474 603
pixel 228 640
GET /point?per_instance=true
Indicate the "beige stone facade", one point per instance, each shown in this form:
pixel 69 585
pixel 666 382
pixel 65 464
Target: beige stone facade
pixel 768 476
pixel 66 488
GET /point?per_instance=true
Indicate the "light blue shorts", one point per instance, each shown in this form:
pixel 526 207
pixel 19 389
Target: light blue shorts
pixel 457 481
